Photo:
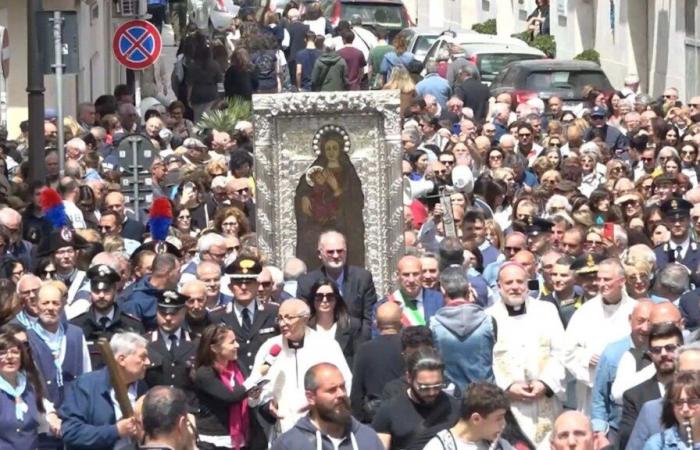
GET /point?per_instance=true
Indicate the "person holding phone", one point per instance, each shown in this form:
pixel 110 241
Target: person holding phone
pixel 225 397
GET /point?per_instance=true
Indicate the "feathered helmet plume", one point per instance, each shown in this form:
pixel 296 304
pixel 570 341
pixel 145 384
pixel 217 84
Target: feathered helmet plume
pixel 52 206
pixel 160 218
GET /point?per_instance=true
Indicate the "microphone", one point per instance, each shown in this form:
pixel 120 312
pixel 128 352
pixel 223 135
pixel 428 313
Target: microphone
pixel 270 359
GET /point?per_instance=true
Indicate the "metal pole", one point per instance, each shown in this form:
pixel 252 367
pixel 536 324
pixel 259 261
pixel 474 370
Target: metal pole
pixel 35 89
pixel 137 90
pixel 3 102
pixel 58 67
pixel 134 153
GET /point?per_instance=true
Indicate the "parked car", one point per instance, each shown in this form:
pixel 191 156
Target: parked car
pixel 547 78
pixel 469 38
pixel 421 39
pixel 491 59
pixel 390 14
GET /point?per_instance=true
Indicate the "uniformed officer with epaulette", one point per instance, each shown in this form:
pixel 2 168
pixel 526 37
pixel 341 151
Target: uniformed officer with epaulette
pixel 680 248
pixel 170 347
pixel 104 318
pixel 253 323
pixel 566 296
pixel 585 269
pixel 539 233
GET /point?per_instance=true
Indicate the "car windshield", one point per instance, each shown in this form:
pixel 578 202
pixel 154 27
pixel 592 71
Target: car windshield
pixel 491 64
pixel 423 44
pixel 566 83
pixel 385 15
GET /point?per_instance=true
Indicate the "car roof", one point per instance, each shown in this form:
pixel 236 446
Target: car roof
pixel 474 37
pixel 472 49
pixel 556 64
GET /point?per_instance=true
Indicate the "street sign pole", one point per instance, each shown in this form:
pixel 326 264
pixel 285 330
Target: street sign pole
pixel 3 102
pixel 134 154
pixel 58 67
pixel 137 90
pixel 35 89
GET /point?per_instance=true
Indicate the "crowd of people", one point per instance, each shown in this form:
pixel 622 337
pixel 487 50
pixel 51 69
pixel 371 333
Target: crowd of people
pixel 548 294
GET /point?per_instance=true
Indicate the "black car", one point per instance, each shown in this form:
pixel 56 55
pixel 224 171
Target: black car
pixel 546 78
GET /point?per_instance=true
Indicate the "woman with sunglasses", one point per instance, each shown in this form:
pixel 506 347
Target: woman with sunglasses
pixel 183 222
pixel 330 318
pixel 680 414
pixel 45 269
pixel 21 399
pixel 689 156
pixel 225 415
pixel 231 221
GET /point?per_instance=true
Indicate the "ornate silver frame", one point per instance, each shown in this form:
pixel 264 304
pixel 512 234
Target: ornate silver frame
pixel 285 125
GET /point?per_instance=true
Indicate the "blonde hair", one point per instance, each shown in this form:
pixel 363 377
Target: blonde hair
pixel 89 235
pixel 400 79
pixel 113 244
pixel 493 226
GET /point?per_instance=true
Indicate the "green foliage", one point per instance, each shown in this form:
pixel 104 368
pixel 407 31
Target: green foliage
pixel 545 43
pixel 488 27
pixel 589 55
pixel 225 119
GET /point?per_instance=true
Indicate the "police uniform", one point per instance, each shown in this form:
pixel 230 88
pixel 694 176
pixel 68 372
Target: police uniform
pixel 173 360
pixel 669 252
pixel 263 323
pixel 96 325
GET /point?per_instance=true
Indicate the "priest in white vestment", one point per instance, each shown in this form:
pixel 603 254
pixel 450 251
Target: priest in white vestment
pixel 602 320
pixel 528 358
pixel 300 348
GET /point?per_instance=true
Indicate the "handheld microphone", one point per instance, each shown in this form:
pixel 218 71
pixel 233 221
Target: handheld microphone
pixel 270 359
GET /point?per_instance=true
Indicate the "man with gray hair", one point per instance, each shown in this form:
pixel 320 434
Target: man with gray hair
pixel 671 283
pixel 461 327
pixel 92 417
pixel 210 247
pixel 473 92
pixel 75 149
pixel 433 84
pixel 294 268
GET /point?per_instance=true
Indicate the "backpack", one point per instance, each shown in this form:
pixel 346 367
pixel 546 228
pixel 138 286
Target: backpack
pixel 266 63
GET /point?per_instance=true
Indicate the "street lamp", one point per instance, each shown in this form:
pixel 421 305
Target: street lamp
pixel 35 89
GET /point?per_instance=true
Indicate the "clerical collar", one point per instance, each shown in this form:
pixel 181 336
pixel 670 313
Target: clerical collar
pixel 516 310
pixel 295 344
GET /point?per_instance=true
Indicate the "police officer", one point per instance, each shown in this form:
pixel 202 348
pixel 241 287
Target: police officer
pixel 253 323
pixel 539 234
pixel 585 269
pixel 170 347
pixel 104 318
pixel 681 248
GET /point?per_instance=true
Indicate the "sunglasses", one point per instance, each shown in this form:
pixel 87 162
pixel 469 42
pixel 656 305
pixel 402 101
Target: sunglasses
pixel 524 135
pixel 320 297
pixel 656 350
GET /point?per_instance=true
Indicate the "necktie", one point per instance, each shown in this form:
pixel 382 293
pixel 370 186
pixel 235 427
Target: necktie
pixel 173 343
pixel 678 253
pixel 104 321
pixel 246 323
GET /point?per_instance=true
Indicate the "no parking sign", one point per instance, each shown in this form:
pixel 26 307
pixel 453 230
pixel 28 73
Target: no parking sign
pixel 136 44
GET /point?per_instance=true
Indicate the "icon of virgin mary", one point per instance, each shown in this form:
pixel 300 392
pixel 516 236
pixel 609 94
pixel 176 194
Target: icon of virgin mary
pixel 329 197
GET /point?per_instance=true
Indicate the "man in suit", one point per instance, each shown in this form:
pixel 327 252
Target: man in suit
pixel 104 318
pixel 131 228
pixel 417 303
pixel 473 92
pixel 664 340
pixel 253 322
pixel 170 347
pixel 649 420
pixel 91 417
pixel 355 283
pixel 681 248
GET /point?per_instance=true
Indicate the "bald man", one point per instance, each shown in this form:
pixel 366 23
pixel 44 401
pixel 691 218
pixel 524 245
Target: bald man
pixel 301 348
pixel 198 317
pixel 605 410
pixel 131 229
pixel 572 431
pixel 377 362
pixel 528 360
pixel 417 303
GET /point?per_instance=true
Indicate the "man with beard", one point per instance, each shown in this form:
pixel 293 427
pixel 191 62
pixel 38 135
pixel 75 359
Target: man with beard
pixel 529 354
pixel 664 340
pixel 286 358
pixel 410 419
pixel 104 318
pixel 329 424
pixel 681 248
pixel 607 313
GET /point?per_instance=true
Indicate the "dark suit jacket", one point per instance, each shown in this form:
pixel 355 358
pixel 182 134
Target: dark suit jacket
pixel 665 255
pixel 632 401
pixel 358 293
pixel 133 230
pixel 690 308
pixel 475 95
pixel 172 369
pixel 264 326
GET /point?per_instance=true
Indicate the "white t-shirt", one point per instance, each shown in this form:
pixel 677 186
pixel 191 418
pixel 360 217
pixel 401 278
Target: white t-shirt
pixel 436 444
pixel 335 441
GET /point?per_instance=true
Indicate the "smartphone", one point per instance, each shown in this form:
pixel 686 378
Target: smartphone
pixel 259 384
pixel 609 231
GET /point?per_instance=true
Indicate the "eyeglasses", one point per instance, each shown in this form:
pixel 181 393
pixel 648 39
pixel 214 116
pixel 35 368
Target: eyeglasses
pixel 18 273
pixel 265 284
pixel 289 318
pixel 512 249
pixel 447 163
pixel 691 402
pixel 235 248
pixel 105 228
pixel 320 297
pixel 31 291
pixel 633 203
pixel 339 251
pixel 241 191
pixel 616 169
pixel 10 353
pixel 524 135
pixel 688 152
pixel 593 242
pixel 430 387
pixel 496 157
pixel 229 224
pixel 656 350
pixel 646 159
